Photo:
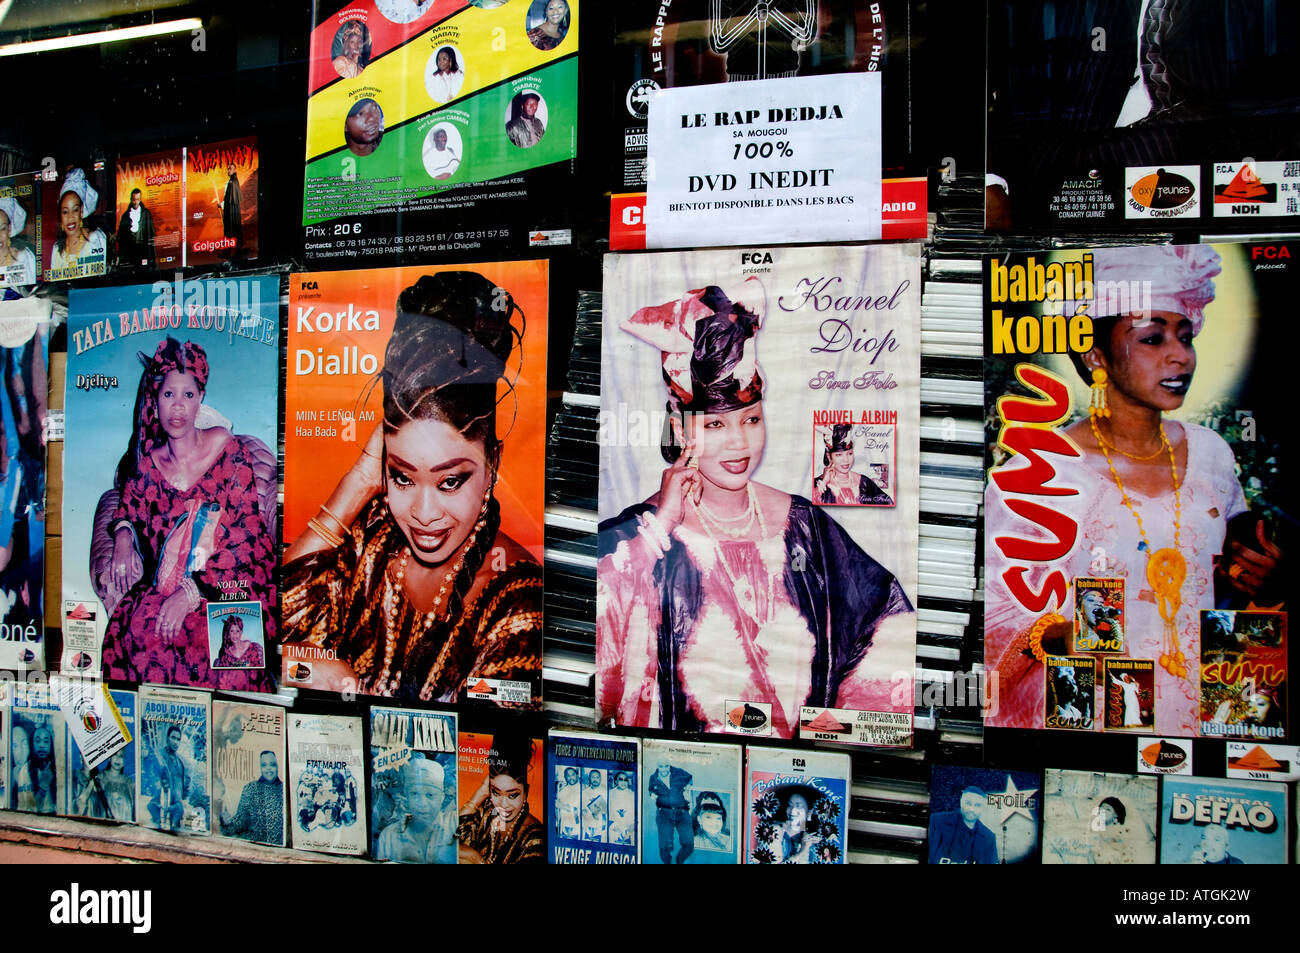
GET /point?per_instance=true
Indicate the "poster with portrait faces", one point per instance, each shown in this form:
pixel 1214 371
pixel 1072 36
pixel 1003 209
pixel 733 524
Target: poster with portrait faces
pixel 1138 489
pixel 38 751
pixel 759 453
pixel 1215 821
pixel 983 816
pixel 798 806
pixel 502 798
pixel 327 777
pixel 169 506
pixel 414 447
pixel 173 766
pixel 108 794
pixel 436 127
pixel 149 215
pixel 78 230
pixel 1095 818
pixel 692 803
pixel 592 788
pixel 248 771
pixel 413 786
pixel 21 262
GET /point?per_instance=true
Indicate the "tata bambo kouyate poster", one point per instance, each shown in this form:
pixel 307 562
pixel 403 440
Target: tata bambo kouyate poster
pixel 758 470
pixel 1138 489
pixel 169 508
pixel 414 447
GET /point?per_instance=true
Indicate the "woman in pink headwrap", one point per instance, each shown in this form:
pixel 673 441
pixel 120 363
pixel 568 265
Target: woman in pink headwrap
pixel 187 529
pixel 1152 497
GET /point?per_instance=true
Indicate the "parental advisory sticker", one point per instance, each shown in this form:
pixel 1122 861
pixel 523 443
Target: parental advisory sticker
pixel 850 726
pixel 498 690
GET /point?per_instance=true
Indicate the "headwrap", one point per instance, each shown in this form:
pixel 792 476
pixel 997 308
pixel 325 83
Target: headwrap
pixel 75 181
pixel 16 214
pixel 707 347
pixel 422 770
pixel 1176 278
pixel 170 355
pixel 835 438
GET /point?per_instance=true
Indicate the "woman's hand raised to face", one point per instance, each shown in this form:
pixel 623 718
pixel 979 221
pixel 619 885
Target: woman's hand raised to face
pixel 370 464
pixel 1250 568
pixel 679 483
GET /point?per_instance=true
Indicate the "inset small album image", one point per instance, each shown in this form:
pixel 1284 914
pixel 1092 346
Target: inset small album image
pixel 1130 686
pixel 236 638
pixel 1071 692
pixel 1099 615
pixel 1243 674
pixel 855 463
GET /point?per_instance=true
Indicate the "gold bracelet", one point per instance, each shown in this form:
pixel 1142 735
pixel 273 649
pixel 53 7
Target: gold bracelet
pixel 317 527
pixel 372 456
pixel 343 527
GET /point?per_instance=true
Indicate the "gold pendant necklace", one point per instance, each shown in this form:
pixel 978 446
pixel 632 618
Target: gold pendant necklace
pixel 1167 567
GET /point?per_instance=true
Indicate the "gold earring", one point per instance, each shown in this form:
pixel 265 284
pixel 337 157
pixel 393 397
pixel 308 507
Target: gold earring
pixel 1098 406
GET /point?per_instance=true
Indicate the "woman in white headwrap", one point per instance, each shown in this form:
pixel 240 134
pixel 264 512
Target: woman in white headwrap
pixel 17 265
pixel 76 244
pixel 1152 497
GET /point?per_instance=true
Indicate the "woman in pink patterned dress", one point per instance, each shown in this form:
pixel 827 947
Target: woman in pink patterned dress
pixel 188 529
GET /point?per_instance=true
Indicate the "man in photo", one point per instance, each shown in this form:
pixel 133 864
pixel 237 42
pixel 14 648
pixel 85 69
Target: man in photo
pixel 671 789
pixel 524 128
pixel 1213 848
pixel 960 837
pixel 363 130
pixel 135 235
pixel 232 219
pixel 440 160
pixel 167 806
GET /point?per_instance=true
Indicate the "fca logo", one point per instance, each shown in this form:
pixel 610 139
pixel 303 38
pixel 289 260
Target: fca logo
pixel 739 30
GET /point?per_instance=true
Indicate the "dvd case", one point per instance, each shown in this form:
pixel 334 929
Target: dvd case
pixel 173 763
pixel 1212 821
pixel 798 806
pixel 692 806
pixel 327 774
pixel 983 816
pixel 593 788
pixel 247 764
pixel 501 799
pixel 1095 818
pixel 413 786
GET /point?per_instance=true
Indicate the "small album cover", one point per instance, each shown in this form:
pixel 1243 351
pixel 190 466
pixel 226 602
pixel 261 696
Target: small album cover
pixel 1130 687
pixel 248 797
pixel 413 786
pixel 1094 818
pixel 173 763
pixel 327 777
pixel 798 806
pixel 1243 674
pixel 1071 691
pixel 236 638
pixel 501 799
pixel 593 786
pixel 855 461
pixel 983 816
pixel 1215 821
pixel 38 751
pixel 1099 615
pixel 106 793
pixel 692 810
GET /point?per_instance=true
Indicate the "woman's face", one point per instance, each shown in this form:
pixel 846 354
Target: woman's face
pixel 269 768
pixel 711 823
pixel 508 796
pixel 437 480
pixel 1106 814
pixel 236 630
pixel 22 748
pixel 4 233
pixel 70 213
pixel 556 11
pixel 1257 708
pixel 179 399
pixel 796 812
pixel 728 445
pixel 352 42
pixel 117 763
pixel 1153 359
pixel 842 461
pixel 444 61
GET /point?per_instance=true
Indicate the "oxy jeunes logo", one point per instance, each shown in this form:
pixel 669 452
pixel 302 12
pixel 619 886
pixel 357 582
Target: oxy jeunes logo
pixel 1163 192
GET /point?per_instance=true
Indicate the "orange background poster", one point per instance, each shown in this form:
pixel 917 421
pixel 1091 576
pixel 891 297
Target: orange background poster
pixel 471 767
pixel 327 312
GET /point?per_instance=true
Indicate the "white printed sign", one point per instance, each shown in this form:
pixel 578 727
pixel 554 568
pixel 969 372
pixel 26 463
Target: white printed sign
pixel 769 161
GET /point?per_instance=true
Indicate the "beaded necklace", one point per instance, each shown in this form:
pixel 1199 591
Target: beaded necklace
pixel 1167 567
